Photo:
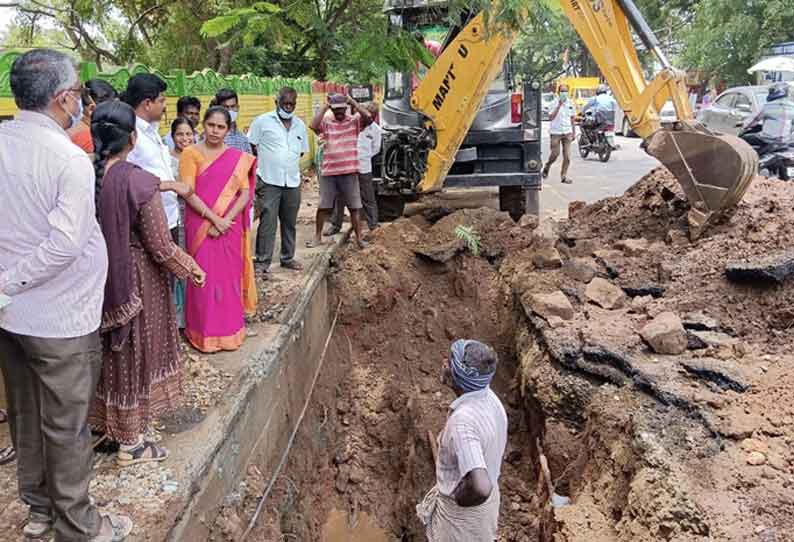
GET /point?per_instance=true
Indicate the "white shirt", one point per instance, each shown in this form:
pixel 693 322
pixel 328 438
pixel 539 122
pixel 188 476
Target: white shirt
pixel 152 155
pixel 53 260
pixel 279 150
pixel 563 123
pixel 369 142
pixel 474 437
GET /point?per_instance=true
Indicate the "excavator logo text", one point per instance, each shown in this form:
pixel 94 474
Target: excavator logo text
pixel 446 83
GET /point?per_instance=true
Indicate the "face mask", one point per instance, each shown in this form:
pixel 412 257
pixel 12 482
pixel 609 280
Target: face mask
pixel 564 96
pixel 283 115
pixel 233 115
pixel 75 119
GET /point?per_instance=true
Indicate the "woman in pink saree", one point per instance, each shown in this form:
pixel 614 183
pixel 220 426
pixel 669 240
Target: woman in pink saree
pixel 224 178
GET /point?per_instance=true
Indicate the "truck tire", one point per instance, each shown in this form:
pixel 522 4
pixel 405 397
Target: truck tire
pixel 518 201
pixel 390 207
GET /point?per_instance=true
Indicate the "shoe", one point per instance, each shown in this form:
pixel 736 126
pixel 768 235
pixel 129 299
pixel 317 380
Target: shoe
pixel 331 230
pixel 38 525
pixel 115 528
pixel 566 180
pixel 295 265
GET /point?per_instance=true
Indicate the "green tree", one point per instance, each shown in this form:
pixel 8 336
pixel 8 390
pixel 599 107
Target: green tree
pixel 728 36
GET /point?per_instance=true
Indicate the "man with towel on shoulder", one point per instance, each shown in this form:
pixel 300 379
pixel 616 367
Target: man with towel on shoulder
pixel 464 504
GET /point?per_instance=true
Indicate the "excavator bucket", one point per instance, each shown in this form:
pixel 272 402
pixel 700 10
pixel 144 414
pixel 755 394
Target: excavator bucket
pixel 714 170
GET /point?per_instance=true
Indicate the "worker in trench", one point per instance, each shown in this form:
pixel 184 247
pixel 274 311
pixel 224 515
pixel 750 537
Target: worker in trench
pixel 464 503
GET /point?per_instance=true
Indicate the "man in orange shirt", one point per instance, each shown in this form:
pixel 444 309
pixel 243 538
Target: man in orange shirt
pixel 95 91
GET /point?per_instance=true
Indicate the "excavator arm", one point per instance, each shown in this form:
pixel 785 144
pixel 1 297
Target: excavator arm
pixel 714 170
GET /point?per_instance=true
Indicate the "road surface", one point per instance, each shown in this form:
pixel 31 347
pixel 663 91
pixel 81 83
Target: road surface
pixel 592 179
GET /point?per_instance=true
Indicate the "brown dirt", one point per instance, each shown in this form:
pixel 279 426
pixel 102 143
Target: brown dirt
pixel 649 447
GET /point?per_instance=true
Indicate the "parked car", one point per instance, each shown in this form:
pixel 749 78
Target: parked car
pixel 547 100
pixel 733 108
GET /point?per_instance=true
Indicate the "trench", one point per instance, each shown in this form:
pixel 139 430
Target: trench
pixel 362 459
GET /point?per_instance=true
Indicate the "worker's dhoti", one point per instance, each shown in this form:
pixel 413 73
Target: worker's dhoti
pixel 445 521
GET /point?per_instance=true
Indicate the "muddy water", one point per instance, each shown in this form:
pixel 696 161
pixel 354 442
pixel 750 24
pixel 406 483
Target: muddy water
pixel 337 528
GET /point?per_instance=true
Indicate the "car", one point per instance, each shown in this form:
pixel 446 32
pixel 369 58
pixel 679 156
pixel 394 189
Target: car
pixel 667 116
pixel 546 102
pixel 733 109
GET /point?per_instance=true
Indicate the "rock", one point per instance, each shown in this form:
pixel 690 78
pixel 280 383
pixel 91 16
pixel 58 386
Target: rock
pixel 633 247
pixel 581 269
pixel 750 445
pixel 676 238
pixel 574 207
pixel 665 334
pixel 552 305
pixel 766 270
pixel 555 321
pixel 610 259
pixel 642 291
pixel 357 475
pixel 697 321
pixel 694 342
pixel 441 253
pixel 756 459
pixel 547 258
pixel 605 294
pixel 664 272
pixel 638 304
pixel 725 374
pixel 529 222
pixel 548 231
pixel 715 339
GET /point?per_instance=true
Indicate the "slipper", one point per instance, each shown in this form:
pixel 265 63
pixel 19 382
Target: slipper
pixel 314 244
pixel 138 455
pixel 7 455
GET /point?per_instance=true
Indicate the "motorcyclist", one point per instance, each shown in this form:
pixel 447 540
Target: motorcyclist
pixel 603 104
pixel 776 121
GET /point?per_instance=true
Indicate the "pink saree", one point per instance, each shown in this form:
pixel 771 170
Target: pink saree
pixel 215 314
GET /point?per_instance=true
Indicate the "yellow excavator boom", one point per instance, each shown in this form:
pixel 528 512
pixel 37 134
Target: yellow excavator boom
pixel 714 170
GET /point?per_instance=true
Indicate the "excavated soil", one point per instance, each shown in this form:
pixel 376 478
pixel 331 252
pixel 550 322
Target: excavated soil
pixel 691 447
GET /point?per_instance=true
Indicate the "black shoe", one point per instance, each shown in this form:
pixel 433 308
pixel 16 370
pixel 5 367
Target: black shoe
pixel 331 230
pixel 566 180
pixel 295 265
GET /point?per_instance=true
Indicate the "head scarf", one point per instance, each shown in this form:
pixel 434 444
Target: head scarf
pixel 467 378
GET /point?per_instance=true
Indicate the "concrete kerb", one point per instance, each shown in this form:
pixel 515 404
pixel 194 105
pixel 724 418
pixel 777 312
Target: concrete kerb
pixel 260 410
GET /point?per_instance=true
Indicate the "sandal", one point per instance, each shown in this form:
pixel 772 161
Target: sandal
pixel 146 452
pixel 7 455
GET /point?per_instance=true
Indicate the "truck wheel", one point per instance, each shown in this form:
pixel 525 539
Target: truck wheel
pixel 518 201
pixel 390 208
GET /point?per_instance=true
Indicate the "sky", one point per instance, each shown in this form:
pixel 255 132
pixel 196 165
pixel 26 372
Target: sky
pixel 6 14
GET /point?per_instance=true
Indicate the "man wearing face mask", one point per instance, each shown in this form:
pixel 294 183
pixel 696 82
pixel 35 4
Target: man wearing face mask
pixel 53 266
pixel 281 139
pixel 227 98
pixel 562 132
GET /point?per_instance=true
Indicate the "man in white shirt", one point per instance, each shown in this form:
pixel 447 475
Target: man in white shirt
pixel 370 139
pixel 562 132
pixel 53 265
pixel 464 503
pixel 280 139
pixel 146 95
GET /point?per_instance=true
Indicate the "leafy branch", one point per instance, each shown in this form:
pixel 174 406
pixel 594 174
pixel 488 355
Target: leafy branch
pixel 470 238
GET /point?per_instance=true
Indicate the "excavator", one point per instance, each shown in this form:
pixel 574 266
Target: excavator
pixel 429 132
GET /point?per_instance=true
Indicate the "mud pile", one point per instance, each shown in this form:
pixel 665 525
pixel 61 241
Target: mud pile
pixel 690 446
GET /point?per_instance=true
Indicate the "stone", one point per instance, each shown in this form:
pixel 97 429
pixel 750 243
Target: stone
pixel 575 207
pixel 751 445
pixel 547 258
pixel 357 475
pixel 665 334
pixel 772 269
pixel 611 260
pixel 756 459
pixel 633 247
pixel 664 272
pixel 551 305
pixel 581 269
pixel 698 321
pixel 638 304
pixel 529 222
pixel 676 238
pixel 441 253
pixel 605 294
pixel 715 339
pixel 555 322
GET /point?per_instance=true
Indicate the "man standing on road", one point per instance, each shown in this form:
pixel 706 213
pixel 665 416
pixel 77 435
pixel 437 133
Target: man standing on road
pixel 464 503
pixel 146 95
pixel 280 138
pixel 562 132
pixel 369 143
pixel 339 177
pixel 53 266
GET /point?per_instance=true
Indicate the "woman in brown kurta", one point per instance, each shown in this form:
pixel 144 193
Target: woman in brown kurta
pixel 141 368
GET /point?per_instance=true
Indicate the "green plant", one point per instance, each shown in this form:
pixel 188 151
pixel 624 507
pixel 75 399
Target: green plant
pixel 470 237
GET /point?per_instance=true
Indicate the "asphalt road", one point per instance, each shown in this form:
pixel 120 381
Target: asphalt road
pixel 592 179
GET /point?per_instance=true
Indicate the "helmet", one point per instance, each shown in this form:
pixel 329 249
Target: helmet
pixel 777 91
pixel 602 89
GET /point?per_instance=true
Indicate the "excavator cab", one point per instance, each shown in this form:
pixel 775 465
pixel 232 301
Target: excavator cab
pixel 499 144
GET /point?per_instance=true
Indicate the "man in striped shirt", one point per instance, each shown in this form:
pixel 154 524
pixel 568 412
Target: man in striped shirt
pixel 340 161
pixel 464 503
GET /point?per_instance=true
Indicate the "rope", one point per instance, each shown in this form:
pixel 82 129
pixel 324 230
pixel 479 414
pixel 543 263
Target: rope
pixel 291 441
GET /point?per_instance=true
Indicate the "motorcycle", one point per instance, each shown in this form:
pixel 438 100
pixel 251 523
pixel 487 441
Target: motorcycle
pixel 775 159
pixel 593 136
